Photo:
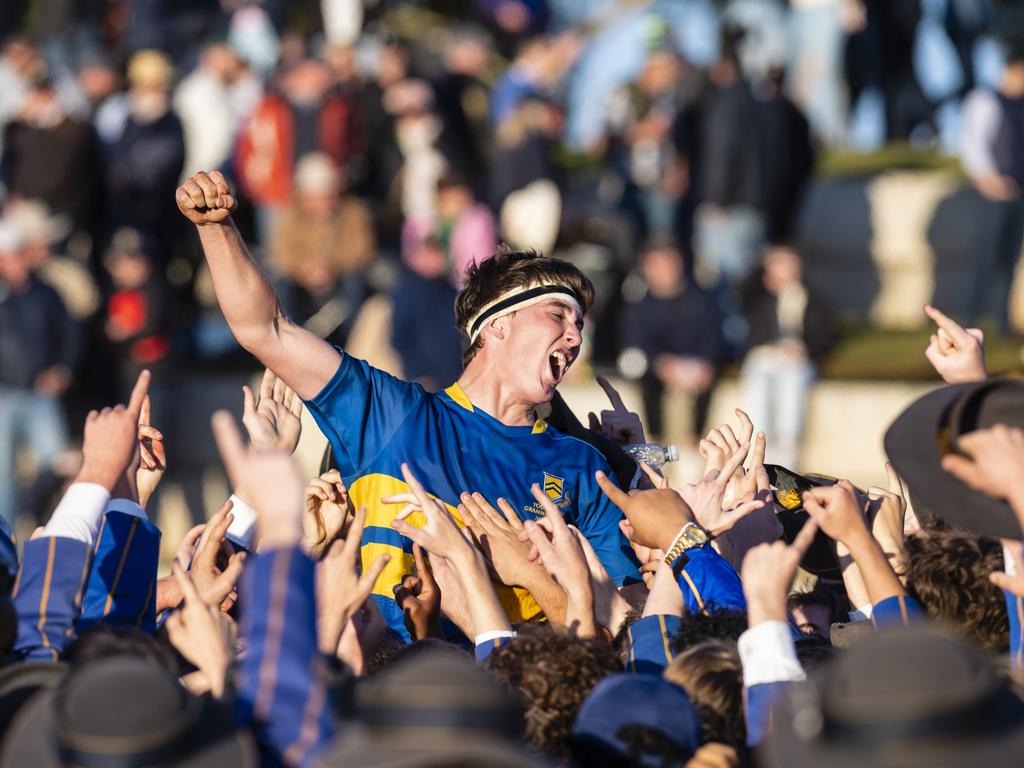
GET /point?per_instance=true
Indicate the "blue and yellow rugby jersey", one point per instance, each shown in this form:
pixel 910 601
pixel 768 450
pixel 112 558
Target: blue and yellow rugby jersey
pixel 376 421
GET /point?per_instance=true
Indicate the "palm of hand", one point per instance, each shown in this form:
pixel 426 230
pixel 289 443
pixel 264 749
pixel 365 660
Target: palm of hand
pixel 274 426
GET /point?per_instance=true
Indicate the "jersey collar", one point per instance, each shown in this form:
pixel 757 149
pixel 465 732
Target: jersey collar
pixel 459 397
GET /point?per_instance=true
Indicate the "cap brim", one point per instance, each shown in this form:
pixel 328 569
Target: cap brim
pixel 912 444
pixel 785 749
pixel 30 739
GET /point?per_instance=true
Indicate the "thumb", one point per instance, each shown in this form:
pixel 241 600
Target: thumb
pixel 248 402
pixel 595 423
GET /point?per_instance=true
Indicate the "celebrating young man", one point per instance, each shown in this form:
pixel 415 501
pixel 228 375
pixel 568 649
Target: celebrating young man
pixel 523 316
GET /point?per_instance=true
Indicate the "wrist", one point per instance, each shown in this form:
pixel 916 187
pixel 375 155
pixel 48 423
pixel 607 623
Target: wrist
pixel 98 476
pixel 762 609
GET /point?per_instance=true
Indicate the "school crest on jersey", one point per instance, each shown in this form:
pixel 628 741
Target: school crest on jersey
pixel 554 487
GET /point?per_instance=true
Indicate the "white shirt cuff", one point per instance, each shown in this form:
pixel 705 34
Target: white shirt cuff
pixel 79 513
pixel 863 613
pixel 768 656
pixel 127 507
pixel 1010 559
pixel 242 530
pixel 484 637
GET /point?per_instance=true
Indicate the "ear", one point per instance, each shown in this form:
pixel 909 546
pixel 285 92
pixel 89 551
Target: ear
pixel 497 328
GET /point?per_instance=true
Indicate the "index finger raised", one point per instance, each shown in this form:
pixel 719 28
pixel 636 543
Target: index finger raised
pixel 229 444
pixel 946 323
pixel 613 395
pixel 618 497
pixel 138 395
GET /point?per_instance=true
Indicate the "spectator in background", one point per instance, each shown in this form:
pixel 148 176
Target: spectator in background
pixel 672 336
pixel 730 225
pixel 423 330
pixel 992 151
pixel 50 155
pixel 790 331
pixel 106 104
pixel 39 346
pixel 645 127
pixel 323 244
pixel 788 157
pixel 146 161
pixel 212 102
pixel 462 227
pixel 298 114
pixel 135 322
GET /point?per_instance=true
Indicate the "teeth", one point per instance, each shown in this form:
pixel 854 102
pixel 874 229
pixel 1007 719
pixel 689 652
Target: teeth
pixel 562 362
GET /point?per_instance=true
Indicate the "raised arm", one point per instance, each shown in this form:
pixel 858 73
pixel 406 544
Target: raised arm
pixel 303 360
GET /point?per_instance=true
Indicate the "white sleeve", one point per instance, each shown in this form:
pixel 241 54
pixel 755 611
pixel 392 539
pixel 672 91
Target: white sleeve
pixel 79 513
pixel 484 637
pixel 980 126
pixel 242 530
pixel 767 654
pixel 863 613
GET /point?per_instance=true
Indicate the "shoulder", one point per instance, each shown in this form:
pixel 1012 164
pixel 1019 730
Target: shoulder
pixel 575 447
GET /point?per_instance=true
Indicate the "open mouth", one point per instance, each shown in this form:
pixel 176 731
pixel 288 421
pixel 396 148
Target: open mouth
pixel 559 364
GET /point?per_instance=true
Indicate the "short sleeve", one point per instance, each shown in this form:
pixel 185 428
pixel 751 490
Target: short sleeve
pixel 598 519
pixel 360 409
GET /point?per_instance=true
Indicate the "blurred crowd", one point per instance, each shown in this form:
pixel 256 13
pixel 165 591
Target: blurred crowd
pixel 378 148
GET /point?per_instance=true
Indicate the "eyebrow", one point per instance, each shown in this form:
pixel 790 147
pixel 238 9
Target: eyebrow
pixel 564 305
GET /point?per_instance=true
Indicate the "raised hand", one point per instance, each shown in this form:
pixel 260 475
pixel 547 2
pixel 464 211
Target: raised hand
pixel 216 567
pixel 707 499
pixel 201 633
pixel 361 637
pixel 153 456
pixel 111 439
pixel 340 588
pixel 655 516
pixel 498 538
pixel 440 535
pixel 268 478
pixel 887 511
pixel 205 198
pixel 994 464
pixel 564 559
pixel 768 572
pixel 275 419
pixel 620 424
pixel 839 511
pixel 328 512
pixel 956 353
pixel 723 442
pixel 420 600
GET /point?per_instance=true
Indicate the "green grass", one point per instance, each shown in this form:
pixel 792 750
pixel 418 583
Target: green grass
pixel 841 162
pixel 872 354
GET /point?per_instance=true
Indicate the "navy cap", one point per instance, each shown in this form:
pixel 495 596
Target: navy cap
pixel 647 701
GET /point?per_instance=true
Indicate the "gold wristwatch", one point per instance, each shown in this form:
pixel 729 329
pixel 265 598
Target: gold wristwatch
pixel 692 535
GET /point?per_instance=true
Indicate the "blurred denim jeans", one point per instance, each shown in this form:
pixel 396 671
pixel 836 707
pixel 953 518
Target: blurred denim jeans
pixel 35 422
pixel 774 387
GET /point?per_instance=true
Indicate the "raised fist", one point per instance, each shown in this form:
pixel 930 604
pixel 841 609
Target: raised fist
pixel 205 198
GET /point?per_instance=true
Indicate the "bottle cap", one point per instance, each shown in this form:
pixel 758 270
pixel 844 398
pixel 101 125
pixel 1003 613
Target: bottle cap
pixel 671 453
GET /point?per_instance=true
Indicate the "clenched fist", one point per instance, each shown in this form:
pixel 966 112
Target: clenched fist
pixel 205 198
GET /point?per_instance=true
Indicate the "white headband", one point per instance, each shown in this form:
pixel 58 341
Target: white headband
pixel 516 299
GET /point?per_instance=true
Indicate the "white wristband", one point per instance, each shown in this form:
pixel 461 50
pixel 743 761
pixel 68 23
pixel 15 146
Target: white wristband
pixel 242 530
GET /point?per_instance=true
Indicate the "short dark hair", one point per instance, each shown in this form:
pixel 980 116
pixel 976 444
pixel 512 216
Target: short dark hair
pixel 946 570
pixel 828 595
pixel 712 676
pixel 719 624
pixel 507 270
pixel 555 673
pixel 104 640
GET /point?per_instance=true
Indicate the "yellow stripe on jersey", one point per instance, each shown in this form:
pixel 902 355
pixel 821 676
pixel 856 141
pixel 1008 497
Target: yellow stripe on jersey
pixel 367 491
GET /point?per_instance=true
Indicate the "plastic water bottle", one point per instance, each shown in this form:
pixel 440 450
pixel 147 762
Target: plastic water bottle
pixel 652 454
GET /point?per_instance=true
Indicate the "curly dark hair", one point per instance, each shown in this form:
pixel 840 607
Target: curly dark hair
pixel 712 676
pixel 717 625
pixel 509 269
pixel 554 673
pixel 947 570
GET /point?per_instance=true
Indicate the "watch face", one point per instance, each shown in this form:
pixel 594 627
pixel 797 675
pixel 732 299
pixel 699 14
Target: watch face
pixel 695 536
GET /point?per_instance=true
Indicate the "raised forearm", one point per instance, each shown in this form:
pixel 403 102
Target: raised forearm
pixel 485 609
pixel 880 580
pixel 245 295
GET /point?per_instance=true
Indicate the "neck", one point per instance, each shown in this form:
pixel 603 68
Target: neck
pixel 489 392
